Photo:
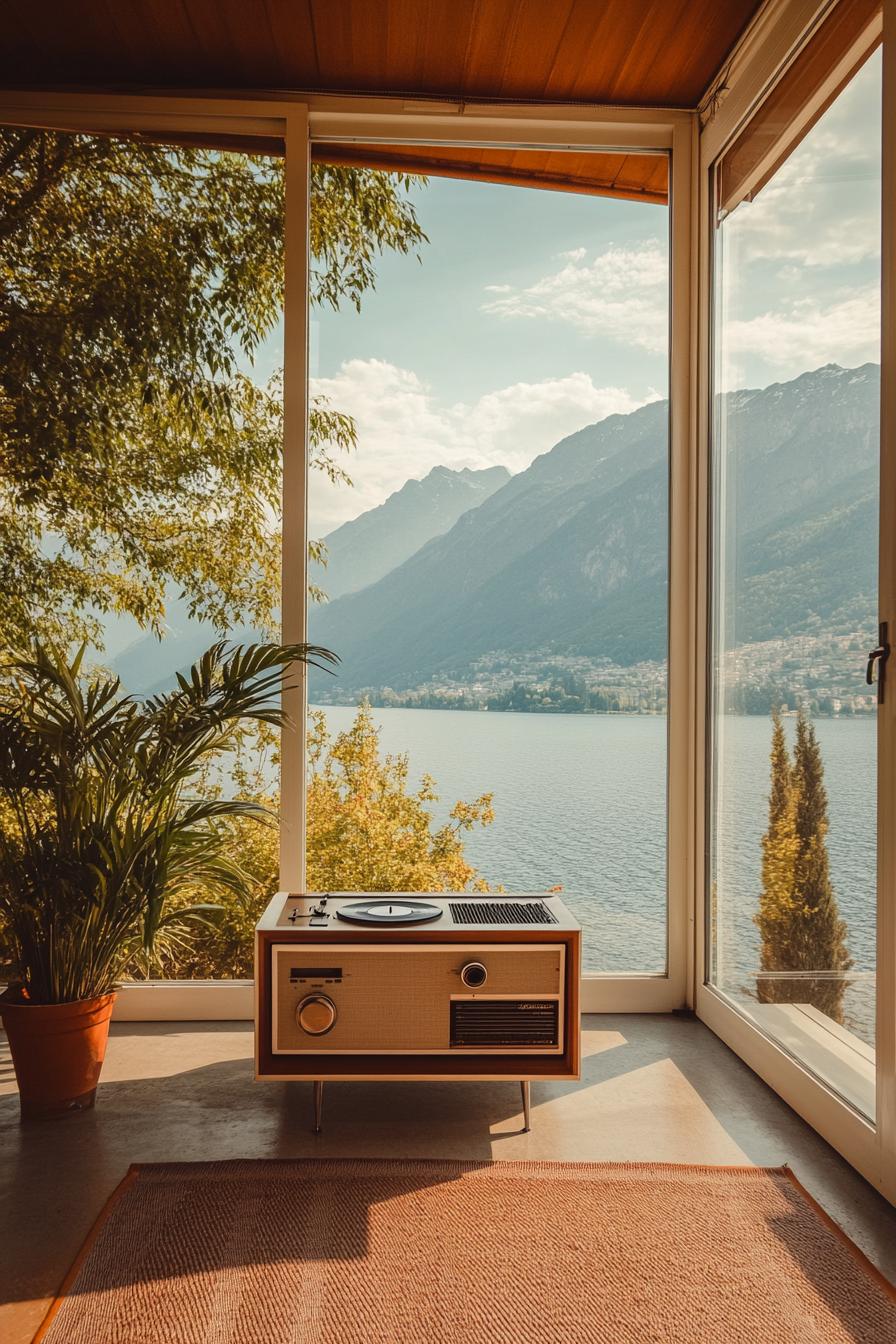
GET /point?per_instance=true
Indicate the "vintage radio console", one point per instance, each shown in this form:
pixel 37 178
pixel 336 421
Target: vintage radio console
pixel 417 986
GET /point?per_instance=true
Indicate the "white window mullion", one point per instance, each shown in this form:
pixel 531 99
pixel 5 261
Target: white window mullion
pixel 294 578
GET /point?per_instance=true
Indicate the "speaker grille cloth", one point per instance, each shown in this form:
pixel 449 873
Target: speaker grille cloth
pixel 485 1022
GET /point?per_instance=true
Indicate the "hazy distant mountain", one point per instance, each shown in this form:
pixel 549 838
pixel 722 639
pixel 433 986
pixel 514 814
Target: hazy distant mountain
pixel 360 552
pixel 570 555
pixel 149 664
pixel 363 550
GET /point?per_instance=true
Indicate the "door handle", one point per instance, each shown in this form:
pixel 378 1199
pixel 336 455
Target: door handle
pixel 879 655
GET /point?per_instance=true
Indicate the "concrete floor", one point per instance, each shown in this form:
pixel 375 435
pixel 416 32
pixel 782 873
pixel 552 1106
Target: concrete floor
pixel 653 1089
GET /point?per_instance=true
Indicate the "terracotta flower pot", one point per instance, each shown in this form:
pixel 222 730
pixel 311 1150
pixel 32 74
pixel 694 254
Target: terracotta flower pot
pixel 57 1050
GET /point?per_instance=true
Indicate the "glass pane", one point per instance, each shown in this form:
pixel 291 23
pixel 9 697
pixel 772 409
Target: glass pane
pixel 496 566
pixel 795 467
pixel 143 399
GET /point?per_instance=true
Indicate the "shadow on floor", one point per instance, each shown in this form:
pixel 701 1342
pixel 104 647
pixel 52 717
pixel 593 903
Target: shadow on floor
pixel 196 1219
pixel 809 1243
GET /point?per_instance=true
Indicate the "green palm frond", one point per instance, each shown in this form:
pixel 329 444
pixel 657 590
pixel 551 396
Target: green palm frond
pixel 99 830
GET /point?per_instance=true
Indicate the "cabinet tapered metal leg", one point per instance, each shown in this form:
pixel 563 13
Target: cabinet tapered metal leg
pixel 318 1105
pixel 525 1089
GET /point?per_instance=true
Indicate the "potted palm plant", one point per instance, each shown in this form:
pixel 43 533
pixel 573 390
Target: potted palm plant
pixel 99 831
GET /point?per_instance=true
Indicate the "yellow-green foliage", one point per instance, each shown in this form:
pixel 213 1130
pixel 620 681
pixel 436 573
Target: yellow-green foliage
pixel 368 830
pixel 137 455
pixel 798 919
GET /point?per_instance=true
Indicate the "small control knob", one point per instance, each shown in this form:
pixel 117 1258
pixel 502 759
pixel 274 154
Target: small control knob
pixel 474 974
pixel 316 1014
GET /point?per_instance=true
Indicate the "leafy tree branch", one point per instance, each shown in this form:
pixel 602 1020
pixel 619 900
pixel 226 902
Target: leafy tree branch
pixel 137 453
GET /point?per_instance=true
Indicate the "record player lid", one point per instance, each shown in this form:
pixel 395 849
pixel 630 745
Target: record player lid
pixel 403 911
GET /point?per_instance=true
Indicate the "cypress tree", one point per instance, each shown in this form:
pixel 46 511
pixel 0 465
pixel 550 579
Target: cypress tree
pixel 775 916
pixel 822 933
pixel 798 919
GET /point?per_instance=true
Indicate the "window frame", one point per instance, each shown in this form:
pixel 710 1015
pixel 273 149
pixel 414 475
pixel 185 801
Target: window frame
pixel 299 120
pixel 341 119
pixel 869 1146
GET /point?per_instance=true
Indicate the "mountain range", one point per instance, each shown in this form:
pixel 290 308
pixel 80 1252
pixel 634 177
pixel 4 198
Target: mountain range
pixel 358 553
pixel 361 551
pixel 570 556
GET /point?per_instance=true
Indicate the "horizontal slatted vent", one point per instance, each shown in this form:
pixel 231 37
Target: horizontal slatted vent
pixel 501 912
pixel 510 1022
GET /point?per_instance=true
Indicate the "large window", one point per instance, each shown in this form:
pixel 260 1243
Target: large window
pixel 493 572
pixel 795 465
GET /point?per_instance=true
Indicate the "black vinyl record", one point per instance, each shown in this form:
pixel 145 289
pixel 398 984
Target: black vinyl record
pixel 396 911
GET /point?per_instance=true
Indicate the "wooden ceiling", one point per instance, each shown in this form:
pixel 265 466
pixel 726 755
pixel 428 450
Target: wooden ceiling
pixel 660 53
pixel 644 53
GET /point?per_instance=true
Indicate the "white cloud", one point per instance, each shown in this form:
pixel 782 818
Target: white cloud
pixel 804 335
pixel 800 263
pixel 822 207
pixel 621 295
pixel 810 216
pixel 404 430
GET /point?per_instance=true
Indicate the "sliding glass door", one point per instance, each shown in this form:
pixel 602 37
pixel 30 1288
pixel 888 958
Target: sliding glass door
pixel 795 468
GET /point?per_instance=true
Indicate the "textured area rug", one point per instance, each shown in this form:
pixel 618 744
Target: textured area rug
pixel 340 1252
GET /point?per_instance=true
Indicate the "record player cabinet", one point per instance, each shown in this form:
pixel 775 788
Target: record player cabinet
pixel 436 987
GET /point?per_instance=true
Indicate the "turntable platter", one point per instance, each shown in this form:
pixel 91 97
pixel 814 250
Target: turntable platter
pixel 389 912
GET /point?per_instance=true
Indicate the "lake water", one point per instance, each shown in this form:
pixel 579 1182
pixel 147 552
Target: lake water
pixel 580 803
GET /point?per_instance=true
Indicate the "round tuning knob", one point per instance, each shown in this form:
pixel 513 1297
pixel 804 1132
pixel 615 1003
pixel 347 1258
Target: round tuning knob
pixel 316 1014
pixel 474 974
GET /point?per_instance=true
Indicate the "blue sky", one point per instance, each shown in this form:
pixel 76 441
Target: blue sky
pixel 437 317
pixel 531 314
